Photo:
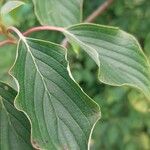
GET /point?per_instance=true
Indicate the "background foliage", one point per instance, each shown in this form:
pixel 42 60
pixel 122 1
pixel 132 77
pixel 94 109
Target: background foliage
pixel 125 122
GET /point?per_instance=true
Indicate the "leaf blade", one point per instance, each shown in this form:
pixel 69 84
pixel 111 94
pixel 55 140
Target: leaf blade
pixel 58 13
pixel 10 6
pixel 62 116
pixel 117 53
pixel 15 128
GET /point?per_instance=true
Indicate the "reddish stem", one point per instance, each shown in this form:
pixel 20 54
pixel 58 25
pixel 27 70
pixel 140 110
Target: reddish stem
pixel 34 29
pixel 93 16
pixel 98 11
pixel 2 43
pixel 41 28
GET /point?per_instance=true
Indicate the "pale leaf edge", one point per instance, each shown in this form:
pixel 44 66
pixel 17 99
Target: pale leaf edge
pixel 22 38
pixel 147 94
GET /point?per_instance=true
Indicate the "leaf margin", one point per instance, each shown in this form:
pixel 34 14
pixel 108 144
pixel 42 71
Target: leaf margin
pixel 69 73
pixel 5 11
pixel 41 22
pixel 7 88
pixel 98 62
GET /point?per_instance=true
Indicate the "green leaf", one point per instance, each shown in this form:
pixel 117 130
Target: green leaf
pixel 117 53
pixel 58 12
pixel 147 45
pixel 14 126
pixel 62 115
pixel 10 6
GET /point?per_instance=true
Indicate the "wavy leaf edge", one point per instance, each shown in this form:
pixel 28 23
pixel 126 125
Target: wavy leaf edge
pixel 98 60
pixel 5 88
pixel 22 38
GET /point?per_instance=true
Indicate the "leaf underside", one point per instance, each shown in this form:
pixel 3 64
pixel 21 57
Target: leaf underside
pixel 61 114
pixel 117 53
pixel 58 12
pixel 14 126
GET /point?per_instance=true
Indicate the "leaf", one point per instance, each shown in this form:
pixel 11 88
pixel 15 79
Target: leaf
pixel 10 6
pixel 58 12
pixel 62 115
pixel 14 126
pixel 117 53
pixel 147 45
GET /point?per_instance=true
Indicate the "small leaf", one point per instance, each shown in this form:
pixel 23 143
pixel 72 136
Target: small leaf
pixel 117 53
pixel 61 114
pixel 58 12
pixel 14 126
pixel 10 6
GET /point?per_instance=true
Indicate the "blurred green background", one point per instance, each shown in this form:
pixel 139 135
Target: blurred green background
pixel 125 122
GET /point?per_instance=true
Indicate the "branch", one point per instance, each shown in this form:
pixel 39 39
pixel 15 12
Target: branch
pixel 99 11
pixel 102 8
pixel 34 29
pixel 41 28
pixel 2 43
pixel 91 18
